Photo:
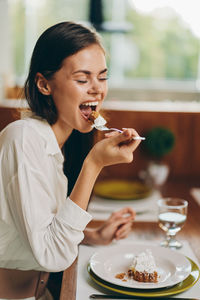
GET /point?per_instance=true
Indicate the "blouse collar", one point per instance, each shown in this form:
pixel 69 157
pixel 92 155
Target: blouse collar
pixel 45 130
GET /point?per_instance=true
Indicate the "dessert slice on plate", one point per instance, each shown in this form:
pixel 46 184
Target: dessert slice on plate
pixel 143 268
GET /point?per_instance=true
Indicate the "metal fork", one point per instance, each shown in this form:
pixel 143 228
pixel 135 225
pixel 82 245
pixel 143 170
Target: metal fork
pixel 105 128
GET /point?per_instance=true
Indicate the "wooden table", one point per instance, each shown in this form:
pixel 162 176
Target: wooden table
pixel 150 230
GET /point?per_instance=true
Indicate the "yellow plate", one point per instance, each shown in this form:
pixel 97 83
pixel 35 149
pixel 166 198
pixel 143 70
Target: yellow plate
pixel 122 190
pixel 178 288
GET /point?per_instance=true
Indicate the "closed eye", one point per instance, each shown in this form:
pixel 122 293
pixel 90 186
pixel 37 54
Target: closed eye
pixel 82 81
pixel 103 78
pixel 85 81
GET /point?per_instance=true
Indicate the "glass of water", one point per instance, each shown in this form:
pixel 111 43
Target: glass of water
pixel 172 214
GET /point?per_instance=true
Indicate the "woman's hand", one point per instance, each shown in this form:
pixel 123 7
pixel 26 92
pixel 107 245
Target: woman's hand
pixel 116 148
pixel 117 226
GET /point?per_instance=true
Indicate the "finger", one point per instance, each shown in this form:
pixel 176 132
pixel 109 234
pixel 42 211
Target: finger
pixel 126 212
pixel 131 146
pixel 125 137
pixel 123 230
pixel 125 227
pixel 111 134
pixel 120 220
pixel 118 138
pixel 121 224
pixel 133 133
pixel 123 236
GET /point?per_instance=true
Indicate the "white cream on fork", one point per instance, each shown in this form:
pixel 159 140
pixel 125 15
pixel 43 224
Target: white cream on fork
pixel 99 124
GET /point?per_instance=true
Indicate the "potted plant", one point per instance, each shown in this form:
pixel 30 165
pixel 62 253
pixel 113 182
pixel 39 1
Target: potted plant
pixel 159 142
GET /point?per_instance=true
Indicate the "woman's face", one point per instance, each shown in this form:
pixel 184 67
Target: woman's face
pixel 79 87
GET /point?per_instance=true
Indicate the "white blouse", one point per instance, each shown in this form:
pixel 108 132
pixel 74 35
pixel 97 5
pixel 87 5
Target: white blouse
pixel 40 228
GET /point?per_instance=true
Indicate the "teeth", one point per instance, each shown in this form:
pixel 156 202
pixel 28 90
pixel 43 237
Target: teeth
pixel 95 103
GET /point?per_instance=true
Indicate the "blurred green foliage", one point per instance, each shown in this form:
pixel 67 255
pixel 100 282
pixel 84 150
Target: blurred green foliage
pixel 159 141
pixel 168 49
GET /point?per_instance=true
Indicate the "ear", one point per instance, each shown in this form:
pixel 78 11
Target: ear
pixel 42 84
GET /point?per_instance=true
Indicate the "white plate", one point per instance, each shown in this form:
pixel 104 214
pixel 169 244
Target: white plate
pixel 172 266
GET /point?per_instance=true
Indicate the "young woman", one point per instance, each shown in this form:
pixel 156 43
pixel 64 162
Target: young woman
pixel 41 228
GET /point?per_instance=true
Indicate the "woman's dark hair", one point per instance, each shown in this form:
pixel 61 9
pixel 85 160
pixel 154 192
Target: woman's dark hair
pixel 53 46
pixel 75 150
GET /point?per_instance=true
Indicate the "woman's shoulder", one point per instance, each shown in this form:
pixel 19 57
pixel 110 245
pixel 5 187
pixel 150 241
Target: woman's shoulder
pixel 21 139
pixel 21 131
pixel 15 129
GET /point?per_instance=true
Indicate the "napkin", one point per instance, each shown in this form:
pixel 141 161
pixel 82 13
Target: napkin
pixel 146 209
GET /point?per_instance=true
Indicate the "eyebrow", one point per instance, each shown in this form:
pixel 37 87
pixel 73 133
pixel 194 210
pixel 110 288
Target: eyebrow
pixel 88 72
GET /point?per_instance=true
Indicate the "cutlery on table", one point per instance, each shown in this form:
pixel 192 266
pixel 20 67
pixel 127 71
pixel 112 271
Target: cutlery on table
pixel 105 128
pixel 103 296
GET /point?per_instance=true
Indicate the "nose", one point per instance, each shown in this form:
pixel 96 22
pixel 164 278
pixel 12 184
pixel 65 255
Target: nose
pixel 96 87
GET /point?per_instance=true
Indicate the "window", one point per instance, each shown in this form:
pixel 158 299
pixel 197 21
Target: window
pixel 30 18
pixel 152 45
pixel 160 53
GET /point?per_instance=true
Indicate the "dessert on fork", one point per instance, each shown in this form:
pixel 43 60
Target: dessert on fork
pixel 96 119
pixel 99 122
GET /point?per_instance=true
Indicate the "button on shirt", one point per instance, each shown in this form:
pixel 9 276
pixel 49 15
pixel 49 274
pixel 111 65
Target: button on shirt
pixel 40 228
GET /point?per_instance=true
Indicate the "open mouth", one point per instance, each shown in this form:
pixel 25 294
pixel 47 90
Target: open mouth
pixel 87 107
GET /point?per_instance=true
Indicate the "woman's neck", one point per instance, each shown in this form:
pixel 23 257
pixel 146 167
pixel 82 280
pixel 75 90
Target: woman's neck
pixel 62 132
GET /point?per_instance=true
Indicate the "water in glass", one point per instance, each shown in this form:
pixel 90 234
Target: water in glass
pixel 172 214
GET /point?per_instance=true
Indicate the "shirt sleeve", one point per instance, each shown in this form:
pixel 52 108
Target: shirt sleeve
pixel 53 237
pixel 68 215
pixel 50 232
